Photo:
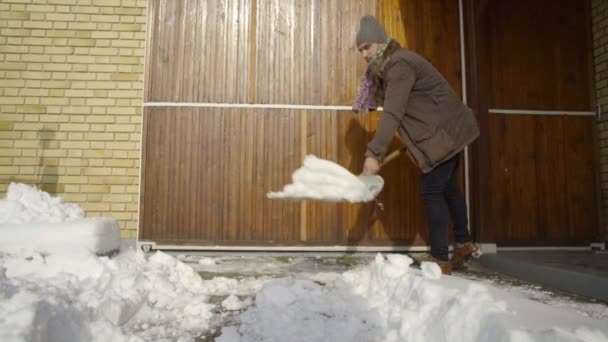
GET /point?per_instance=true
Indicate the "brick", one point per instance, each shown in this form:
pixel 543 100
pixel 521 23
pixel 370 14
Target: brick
pixel 62 2
pixel 56 84
pixel 35 58
pixel 22 161
pixel 16 32
pixel 10 100
pixel 85 9
pixel 127 27
pixel 57 92
pixel 129 11
pixel 9 170
pixel 15 15
pixel 13 66
pixel 74 127
pixel 81 42
pixel 33 92
pixel 126 60
pixel 36 75
pixel 40 8
pixel 98 171
pixel 57 67
pixel 125 77
pixel 120 163
pixel 95 188
pixel 54 101
pixel 81 76
pixel 55 153
pixel 60 17
pixel 117 198
pixel 13 49
pixel 13 83
pixel 28 170
pixel 121 128
pixel 95 206
pixel 103 51
pixel 99 136
pixel 82 26
pixel 9 135
pixel 79 93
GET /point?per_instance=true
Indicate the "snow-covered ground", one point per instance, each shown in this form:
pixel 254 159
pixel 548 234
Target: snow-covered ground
pixel 59 295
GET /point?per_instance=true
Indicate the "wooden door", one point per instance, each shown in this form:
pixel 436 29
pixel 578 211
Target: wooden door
pixel 207 165
pixel 535 163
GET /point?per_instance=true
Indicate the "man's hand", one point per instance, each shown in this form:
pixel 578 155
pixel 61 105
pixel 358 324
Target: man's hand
pixel 371 166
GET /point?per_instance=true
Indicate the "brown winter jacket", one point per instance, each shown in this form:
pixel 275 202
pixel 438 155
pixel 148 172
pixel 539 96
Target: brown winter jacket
pixel 433 123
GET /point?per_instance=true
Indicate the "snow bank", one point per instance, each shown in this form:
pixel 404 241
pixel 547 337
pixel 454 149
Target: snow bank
pixel 26 204
pixel 321 179
pixel 32 220
pixel 81 236
pixel 47 294
pixel 126 298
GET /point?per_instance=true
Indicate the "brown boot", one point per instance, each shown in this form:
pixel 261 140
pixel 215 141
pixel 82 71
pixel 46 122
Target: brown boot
pixel 463 252
pixel 445 266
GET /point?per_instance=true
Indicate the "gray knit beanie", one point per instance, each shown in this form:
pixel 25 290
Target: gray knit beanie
pixel 370 31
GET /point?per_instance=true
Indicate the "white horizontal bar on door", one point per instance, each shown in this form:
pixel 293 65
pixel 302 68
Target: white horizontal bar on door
pixel 546 248
pixel 244 105
pixel 154 246
pixel 539 112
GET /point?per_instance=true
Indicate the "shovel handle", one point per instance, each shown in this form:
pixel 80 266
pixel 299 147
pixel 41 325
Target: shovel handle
pixel 392 155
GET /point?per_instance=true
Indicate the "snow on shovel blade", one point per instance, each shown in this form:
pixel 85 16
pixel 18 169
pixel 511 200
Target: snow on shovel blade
pixel 365 189
pixel 324 180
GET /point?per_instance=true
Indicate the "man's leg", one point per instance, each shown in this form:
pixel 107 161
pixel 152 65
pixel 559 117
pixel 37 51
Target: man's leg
pixel 458 207
pixel 434 185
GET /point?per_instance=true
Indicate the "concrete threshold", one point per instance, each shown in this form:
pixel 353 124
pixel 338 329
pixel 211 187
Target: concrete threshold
pixel 584 273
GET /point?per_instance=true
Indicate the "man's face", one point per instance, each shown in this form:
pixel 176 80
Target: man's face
pixel 368 50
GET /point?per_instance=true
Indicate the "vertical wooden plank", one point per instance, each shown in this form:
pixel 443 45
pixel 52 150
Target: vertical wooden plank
pixel 581 181
pixel 552 197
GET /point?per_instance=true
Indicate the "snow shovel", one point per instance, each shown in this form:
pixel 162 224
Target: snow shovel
pixel 375 183
pixel 367 190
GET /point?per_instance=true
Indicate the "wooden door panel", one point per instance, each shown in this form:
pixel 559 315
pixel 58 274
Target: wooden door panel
pixel 539 172
pixel 206 170
pixel 187 198
pixel 540 55
pixel 513 178
pixel 542 171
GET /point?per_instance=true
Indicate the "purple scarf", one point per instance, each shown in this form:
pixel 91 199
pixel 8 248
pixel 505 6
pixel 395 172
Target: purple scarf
pixel 365 100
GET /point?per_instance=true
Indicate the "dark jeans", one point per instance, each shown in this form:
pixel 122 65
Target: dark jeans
pixel 441 195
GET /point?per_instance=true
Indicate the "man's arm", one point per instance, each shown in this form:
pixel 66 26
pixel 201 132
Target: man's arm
pixel 399 80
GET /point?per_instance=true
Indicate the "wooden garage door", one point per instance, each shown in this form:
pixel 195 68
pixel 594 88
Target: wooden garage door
pixel 207 168
pixel 536 158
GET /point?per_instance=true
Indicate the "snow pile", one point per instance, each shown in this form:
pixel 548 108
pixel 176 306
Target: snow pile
pixel 389 301
pixel 26 204
pixel 127 298
pixel 99 235
pixel 321 179
pixel 32 220
pixel 57 296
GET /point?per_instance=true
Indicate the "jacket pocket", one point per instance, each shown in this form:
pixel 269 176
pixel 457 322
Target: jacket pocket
pixel 437 147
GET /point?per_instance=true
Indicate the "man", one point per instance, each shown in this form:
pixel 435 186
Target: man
pixel 432 122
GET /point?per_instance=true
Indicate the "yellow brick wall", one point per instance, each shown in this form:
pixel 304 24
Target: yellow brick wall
pixel 71 91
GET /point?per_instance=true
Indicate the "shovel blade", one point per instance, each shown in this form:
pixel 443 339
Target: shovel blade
pixel 373 183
